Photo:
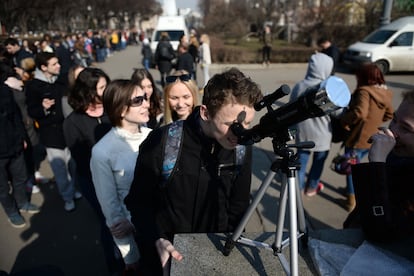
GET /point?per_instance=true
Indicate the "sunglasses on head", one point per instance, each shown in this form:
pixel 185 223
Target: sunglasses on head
pixel 137 101
pixel 171 79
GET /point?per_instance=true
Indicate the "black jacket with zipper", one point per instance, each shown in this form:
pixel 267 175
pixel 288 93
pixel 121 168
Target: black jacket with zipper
pixel 50 121
pixel 195 198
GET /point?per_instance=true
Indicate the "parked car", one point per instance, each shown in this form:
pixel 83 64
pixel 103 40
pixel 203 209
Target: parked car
pixel 390 47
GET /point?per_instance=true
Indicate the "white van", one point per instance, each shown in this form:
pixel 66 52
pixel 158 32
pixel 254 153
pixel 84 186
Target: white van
pixel 390 47
pixel 174 25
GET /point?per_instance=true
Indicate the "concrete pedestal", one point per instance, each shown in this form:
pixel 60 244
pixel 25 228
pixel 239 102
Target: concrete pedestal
pixel 203 256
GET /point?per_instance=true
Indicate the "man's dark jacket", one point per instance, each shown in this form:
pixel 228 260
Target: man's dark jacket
pixel 185 62
pixel 50 121
pixel 12 131
pixel 164 64
pixel 194 199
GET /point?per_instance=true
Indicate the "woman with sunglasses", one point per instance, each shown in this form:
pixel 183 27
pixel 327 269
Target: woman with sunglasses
pixel 180 96
pixel 143 78
pixel 113 161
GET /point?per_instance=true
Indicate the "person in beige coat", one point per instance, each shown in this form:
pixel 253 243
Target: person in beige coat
pixel 370 107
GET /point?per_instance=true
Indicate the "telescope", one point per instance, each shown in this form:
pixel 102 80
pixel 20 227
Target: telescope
pixel 330 95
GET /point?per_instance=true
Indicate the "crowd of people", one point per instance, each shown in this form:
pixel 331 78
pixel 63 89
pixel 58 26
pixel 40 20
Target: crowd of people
pixel 73 48
pixel 78 114
pixel 108 139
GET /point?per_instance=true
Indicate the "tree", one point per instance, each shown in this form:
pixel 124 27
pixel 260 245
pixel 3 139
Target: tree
pixel 40 15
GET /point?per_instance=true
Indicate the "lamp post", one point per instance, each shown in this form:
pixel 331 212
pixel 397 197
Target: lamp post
pixel 386 12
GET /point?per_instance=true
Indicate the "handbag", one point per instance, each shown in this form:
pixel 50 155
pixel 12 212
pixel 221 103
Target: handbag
pixel 342 163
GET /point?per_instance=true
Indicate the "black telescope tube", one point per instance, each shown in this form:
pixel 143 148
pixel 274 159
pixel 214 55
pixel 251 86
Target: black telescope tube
pixel 307 106
pixel 328 96
pixel 271 98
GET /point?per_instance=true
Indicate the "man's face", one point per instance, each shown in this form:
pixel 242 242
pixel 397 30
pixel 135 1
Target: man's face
pixel 52 68
pixel 402 127
pixel 12 49
pixel 218 127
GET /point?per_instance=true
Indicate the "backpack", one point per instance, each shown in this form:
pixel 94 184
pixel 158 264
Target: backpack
pixel 165 52
pixel 172 151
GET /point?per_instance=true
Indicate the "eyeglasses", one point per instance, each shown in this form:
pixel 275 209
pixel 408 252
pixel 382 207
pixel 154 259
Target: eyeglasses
pixel 137 101
pixel 171 79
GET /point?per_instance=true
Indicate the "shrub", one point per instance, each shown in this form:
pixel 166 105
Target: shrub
pixel 232 54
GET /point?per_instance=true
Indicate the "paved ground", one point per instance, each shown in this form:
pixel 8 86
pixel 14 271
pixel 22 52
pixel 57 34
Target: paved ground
pixel 70 241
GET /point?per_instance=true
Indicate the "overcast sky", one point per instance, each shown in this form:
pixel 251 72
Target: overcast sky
pixel 192 4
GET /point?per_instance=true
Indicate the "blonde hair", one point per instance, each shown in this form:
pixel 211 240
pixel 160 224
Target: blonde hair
pixel 28 64
pixel 191 86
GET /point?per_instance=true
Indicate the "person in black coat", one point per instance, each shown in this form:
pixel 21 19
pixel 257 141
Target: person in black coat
pixel 12 144
pixel 164 54
pixel 15 53
pixel 207 191
pixel 185 59
pixel 44 104
pixel 65 58
pixel 146 53
pixel 194 52
pixel 330 49
pixel 83 128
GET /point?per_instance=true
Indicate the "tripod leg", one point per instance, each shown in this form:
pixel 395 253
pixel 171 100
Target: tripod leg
pixel 301 212
pixel 281 215
pixel 243 222
pixel 289 191
pixel 293 227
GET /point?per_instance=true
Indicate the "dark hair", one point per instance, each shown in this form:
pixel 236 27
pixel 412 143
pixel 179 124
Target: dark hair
pixel 322 40
pixel 11 41
pixel 137 77
pixel 116 98
pixel 6 71
pixel 369 74
pixel 43 58
pixel 72 75
pixel 84 91
pixel 230 86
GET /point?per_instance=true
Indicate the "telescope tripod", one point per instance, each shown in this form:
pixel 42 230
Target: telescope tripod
pixel 289 190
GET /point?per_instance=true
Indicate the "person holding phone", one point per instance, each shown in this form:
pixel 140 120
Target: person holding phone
pixel 44 104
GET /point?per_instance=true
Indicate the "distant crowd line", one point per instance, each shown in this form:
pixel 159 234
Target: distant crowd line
pixel 84 48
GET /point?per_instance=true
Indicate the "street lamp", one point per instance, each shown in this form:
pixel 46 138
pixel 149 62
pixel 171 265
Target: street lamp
pixel 88 16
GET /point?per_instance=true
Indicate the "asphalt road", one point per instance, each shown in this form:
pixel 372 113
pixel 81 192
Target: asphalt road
pixel 70 241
